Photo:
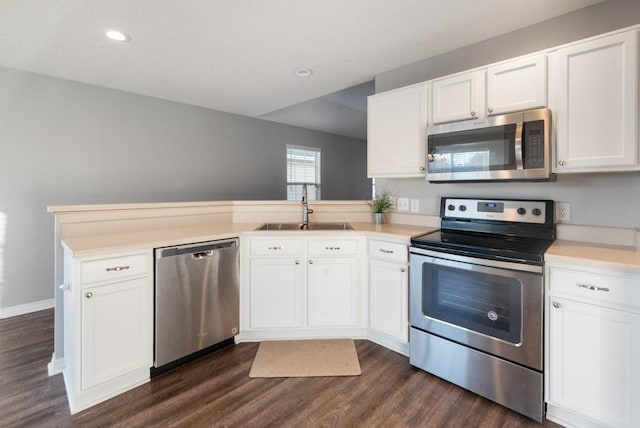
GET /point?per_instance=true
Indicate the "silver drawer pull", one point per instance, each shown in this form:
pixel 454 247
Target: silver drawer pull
pixel 382 250
pixel 591 287
pixel 88 295
pixel 556 305
pixel 117 268
pixel 275 248
pixel 331 248
pixel 403 269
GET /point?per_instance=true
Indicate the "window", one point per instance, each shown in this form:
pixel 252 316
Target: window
pixel 303 166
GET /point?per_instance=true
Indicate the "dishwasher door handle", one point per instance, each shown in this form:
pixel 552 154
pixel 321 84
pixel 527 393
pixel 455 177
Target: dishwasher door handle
pixel 202 254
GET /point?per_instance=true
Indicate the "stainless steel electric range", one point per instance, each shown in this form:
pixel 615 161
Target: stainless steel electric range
pixel 476 299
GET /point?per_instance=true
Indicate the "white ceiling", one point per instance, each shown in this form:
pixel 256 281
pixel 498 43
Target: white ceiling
pixel 239 55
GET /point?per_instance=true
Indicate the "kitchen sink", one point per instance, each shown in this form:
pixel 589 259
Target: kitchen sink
pixel 312 226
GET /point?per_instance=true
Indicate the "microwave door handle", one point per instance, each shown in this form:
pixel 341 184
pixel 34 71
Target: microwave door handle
pixel 519 146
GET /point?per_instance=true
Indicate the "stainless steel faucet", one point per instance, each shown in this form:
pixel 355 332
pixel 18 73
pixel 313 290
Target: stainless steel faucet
pixel 305 209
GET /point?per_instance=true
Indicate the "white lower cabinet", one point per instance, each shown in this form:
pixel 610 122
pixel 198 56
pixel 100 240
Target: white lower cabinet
pixel 108 326
pixel 276 292
pixel 388 295
pixel 332 292
pixel 301 287
pixel 593 349
pixel 115 322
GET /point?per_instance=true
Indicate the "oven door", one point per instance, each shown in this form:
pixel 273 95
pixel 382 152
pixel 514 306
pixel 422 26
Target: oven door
pixel 496 309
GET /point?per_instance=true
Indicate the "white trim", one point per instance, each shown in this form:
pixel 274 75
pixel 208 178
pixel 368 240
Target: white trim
pixel 55 366
pixel 27 308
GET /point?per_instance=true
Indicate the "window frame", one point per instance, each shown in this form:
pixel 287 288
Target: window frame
pixel 314 187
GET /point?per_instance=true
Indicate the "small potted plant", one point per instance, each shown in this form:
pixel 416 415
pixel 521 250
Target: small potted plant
pixel 380 205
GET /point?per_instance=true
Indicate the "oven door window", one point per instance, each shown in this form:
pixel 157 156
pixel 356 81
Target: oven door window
pixel 477 301
pixel 486 149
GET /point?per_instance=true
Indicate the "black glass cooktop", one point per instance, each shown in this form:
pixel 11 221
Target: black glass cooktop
pixel 484 245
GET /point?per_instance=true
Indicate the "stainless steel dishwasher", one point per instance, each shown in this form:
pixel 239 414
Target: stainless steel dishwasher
pixel 196 298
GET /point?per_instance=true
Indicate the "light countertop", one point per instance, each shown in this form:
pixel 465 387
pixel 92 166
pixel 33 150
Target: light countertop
pixel 596 256
pixel 99 244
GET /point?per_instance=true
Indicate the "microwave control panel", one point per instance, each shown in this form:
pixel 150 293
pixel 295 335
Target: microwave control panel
pixel 533 144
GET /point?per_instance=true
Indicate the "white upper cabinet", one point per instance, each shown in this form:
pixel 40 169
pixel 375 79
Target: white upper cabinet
pixel 458 97
pixel 596 116
pixel 396 132
pixel 517 85
pixel 511 86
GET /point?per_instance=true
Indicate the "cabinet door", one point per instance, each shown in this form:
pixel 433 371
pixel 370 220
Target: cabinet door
pixel 333 292
pixel 276 290
pixel 396 132
pixel 594 354
pixel 517 85
pixel 388 288
pixel 597 112
pixel 458 97
pixel 116 332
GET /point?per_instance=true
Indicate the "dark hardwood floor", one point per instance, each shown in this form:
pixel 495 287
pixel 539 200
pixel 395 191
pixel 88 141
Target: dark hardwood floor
pixel 216 391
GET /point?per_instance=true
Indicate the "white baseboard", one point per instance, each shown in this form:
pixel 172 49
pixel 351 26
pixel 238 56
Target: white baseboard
pixel 55 366
pixel 27 308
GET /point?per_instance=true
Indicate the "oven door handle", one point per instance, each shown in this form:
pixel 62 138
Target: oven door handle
pixel 466 261
pixel 518 145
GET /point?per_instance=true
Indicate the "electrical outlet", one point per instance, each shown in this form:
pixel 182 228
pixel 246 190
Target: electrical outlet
pixel 403 204
pixel 415 205
pixel 563 211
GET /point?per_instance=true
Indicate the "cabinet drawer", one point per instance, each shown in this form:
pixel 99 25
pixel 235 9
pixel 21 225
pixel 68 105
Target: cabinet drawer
pixel 114 268
pixel 604 288
pixel 334 247
pixel 277 247
pixel 388 251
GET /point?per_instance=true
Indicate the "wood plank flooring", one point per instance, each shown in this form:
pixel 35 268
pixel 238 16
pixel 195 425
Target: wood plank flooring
pixel 216 391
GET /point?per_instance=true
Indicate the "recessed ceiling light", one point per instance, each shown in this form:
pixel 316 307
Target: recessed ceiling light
pixel 118 36
pixel 303 72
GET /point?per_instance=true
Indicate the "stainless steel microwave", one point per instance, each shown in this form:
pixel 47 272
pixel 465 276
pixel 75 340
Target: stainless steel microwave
pixel 513 147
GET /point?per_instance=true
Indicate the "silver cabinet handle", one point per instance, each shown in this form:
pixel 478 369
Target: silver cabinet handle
pixel 591 287
pixel 403 269
pixel 556 305
pixel 473 114
pixel 65 286
pixel 332 248
pixel 562 163
pixel 310 262
pixel 88 295
pixel 297 262
pixel 490 110
pixel 117 268
pixel 382 250
pixel 421 168
pixel 275 248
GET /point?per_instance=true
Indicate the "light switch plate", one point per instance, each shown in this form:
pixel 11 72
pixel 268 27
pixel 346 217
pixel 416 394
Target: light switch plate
pixel 403 204
pixel 415 205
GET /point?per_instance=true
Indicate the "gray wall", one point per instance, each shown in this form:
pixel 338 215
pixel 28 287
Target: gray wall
pixel 596 199
pixel 63 142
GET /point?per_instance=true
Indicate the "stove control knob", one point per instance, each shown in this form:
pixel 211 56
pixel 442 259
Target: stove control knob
pixel 521 211
pixel 451 207
pixel 462 208
pixel 536 211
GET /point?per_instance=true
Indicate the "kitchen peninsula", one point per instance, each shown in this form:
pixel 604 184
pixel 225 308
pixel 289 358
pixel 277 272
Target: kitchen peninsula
pixel 104 262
